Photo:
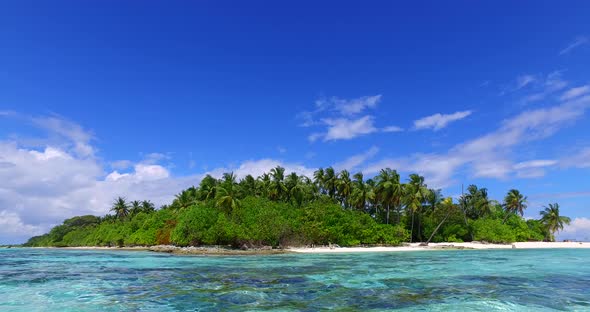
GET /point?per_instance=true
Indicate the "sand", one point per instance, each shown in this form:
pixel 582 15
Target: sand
pixel 438 246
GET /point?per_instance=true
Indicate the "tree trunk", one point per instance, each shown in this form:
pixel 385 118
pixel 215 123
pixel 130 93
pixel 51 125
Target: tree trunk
pixel 439 225
pixel 387 215
pixel 506 217
pixel 412 228
pixel 419 227
pixel 466 223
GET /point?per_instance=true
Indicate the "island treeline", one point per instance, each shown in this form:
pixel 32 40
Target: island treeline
pixel 333 207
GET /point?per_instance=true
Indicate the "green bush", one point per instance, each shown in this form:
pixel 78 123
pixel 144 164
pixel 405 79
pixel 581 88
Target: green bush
pixel 493 231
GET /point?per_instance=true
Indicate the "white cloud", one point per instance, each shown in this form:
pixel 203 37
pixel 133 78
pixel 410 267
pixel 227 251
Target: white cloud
pixel 581 40
pixel 41 188
pixel 342 118
pixel 579 229
pixel 345 129
pixel 575 92
pixel 12 226
pixel 535 164
pixel 348 106
pixel 439 121
pixel 258 167
pixel 533 168
pixel 70 131
pixel 392 129
pixel 579 159
pixel 121 164
pixel 490 155
pixel 356 160
pixel 545 86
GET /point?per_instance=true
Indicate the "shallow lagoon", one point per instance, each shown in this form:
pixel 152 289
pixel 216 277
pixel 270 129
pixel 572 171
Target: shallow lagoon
pixel 476 280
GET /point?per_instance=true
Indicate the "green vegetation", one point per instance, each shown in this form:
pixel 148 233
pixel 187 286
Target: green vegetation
pixel 289 210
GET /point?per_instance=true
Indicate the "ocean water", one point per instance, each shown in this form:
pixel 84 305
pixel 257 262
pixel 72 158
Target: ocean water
pixel 456 280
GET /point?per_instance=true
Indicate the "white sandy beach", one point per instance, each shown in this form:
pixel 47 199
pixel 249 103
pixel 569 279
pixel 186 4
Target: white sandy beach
pixel 438 246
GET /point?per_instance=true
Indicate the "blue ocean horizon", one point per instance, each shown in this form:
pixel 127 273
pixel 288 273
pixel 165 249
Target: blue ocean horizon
pixel 37 279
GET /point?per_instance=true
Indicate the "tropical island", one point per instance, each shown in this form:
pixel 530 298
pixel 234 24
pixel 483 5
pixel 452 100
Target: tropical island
pixel 276 210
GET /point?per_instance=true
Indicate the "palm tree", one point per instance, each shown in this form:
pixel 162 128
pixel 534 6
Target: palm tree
pixel 476 203
pixel 318 179
pixel 389 190
pixel 344 186
pixel 330 182
pixel 226 196
pixel 362 193
pixel 120 208
pixel 263 185
pixel 448 206
pixel 207 188
pixel 185 198
pixel 415 194
pixel 147 206
pixel 514 203
pixel 552 221
pixel 248 186
pixel 135 207
pixel 278 190
pixel 296 188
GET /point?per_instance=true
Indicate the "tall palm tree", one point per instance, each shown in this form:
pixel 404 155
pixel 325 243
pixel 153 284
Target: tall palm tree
pixel 553 221
pixel 415 193
pixel 207 188
pixel 248 186
pixel 296 188
pixel 476 202
pixel 278 190
pixel 120 208
pixel 344 186
pixel 389 190
pixel 185 198
pixel 226 196
pixel 330 182
pixel 263 185
pixel 135 207
pixel 361 192
pixel 147 206
pixel 514 203
pixel 318 179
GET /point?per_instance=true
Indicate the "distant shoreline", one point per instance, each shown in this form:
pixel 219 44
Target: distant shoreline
pixel 219 250
pixel 447 246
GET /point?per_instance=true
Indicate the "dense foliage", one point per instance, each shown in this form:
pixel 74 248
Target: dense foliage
pixel 286 210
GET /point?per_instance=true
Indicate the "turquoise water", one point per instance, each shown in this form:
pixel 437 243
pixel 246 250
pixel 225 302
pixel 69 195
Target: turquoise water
pixel 456 280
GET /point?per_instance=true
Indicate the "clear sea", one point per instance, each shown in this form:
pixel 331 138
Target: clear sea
pixel 455 280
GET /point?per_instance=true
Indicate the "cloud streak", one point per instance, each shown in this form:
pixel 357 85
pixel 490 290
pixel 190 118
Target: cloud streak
pixel 439 121
pixel 577 42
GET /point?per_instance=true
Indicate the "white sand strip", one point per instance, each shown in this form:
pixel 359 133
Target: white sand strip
pixel 438 246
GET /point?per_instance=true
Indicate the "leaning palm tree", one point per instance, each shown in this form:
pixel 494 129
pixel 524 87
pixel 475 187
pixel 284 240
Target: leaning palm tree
pixel 514 203
pixel 120 208
pixel 448 206
pixel 552 221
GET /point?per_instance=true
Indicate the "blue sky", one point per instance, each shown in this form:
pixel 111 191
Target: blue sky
pixel 99 99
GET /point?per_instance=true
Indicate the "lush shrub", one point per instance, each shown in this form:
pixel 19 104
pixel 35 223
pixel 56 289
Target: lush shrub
pixel 493 231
